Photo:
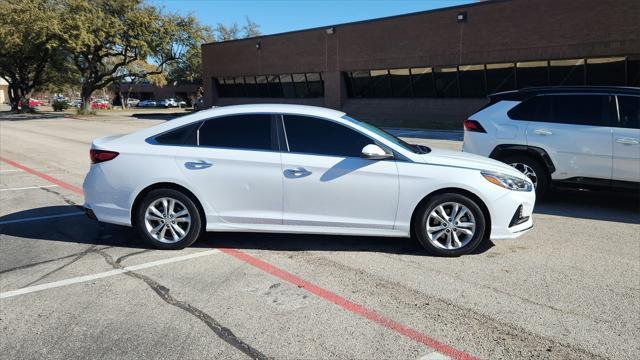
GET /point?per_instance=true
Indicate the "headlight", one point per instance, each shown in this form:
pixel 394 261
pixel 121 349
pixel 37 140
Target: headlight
pixel 508 181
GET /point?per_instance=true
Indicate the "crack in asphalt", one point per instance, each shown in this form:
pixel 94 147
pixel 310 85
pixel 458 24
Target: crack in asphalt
pixel 79 256
pixel 222 332
pixel 26 266
pixel 62 196
pixel 123 257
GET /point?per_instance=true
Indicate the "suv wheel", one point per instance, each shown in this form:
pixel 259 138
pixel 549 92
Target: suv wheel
pixel 168 219
pixel 449 225
pixel 533 169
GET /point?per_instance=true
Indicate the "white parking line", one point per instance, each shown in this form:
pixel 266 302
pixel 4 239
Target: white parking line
pixel 40 218
pixel 9 171
pixel 29 187
pixel 105 274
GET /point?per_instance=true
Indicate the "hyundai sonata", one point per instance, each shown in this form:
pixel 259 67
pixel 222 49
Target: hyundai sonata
pixel 300 169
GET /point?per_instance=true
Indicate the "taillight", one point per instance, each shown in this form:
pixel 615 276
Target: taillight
pixel 472 125
pixel 98 156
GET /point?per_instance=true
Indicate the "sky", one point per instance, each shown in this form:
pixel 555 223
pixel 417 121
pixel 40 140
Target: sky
pixel 288 15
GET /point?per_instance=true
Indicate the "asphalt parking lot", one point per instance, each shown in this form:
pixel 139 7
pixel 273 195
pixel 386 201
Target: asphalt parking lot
pixel 73 288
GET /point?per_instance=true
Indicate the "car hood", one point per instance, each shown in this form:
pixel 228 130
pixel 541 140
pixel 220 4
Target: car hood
pixel 467 160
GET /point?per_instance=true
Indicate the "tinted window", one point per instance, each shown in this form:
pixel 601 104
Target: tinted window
pixel 316 86
pixel 275 90
pixel 422 79
pixel 318 136
pixel 633 72
pixel 446 82
pixel 361 84
pixel 400 82
pixel 534 109
pixel 251 131
pixel 500 77
pixel 532 73
pixel 580 109
pixel 185 135
pixel 381 83
pixel 629 107
pixel 250 86
pixel 566 72
pixel 288 89
pixel 472 81
pixel 606 71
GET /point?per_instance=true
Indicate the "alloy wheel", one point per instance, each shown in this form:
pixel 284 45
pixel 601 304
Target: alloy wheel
pixel 528 171
pixel 450 226
pixel 167 220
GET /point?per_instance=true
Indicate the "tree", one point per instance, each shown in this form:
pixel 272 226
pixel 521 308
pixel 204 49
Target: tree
pixel 135 73
pixel 249 29
pixel 29 39
pixel 119 33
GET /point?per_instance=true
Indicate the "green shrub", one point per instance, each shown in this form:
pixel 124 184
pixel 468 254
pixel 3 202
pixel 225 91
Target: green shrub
pixel 60 105
pixel 81 111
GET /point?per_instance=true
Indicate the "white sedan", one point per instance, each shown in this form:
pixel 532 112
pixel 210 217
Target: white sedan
pixel 300 169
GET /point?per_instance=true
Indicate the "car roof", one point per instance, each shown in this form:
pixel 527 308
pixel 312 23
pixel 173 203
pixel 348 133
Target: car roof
pixel 274 108
pixel 532 91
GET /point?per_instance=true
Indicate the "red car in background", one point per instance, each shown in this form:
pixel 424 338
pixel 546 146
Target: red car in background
pixel 32 103
pixel 100 104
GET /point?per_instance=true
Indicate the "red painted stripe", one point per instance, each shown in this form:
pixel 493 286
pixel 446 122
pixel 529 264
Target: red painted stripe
pixel 50 179
pixel 314 289
pixel 349 305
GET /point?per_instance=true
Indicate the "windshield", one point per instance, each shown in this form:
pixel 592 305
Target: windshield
pixel 418 149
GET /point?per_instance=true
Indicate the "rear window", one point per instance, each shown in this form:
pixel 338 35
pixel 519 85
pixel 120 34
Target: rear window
pixel 588 109
pixel 184 135
pixel 247 131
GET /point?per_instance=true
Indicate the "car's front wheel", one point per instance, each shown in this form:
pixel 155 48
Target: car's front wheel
pixel 168 219
pixel 449 224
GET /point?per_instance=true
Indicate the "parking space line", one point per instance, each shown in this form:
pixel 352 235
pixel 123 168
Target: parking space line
pixel 349 306
pixel 35 218
pixel 340 301
pixel 29 187
pixel 101 275
pixel 42 175
pixel 9 171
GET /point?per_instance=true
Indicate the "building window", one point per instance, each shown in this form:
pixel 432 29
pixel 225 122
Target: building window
pixel 633 72
pixel 361 84
pixel 446 79
pixel 400 82
pixel 532 73
pixel 302 85
pixel 422 81
pixel 566 72
pixel 606 71
pixel 381 83
pixel 472 81
pixel 501 77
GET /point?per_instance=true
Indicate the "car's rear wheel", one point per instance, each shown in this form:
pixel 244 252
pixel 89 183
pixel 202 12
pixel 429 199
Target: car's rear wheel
pixel 450 224
pixel 168 219
pixel 533 169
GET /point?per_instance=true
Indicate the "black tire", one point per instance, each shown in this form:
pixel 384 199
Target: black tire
pixel 542 181
pixel 195 228
pixel 422 217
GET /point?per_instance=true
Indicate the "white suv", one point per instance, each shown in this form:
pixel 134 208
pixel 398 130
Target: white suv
pixel 577 136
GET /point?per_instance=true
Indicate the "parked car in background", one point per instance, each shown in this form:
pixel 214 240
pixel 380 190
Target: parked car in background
pixel 77 103
pixel 167 103
pixel 147 103
pixel 32 103
pixel 100 104
pixel 585 137
pixel 301 169
pixel 132 102
pixel 182 103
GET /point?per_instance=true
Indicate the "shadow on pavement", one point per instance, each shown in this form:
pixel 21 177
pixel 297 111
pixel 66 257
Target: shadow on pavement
pixel 596 205
pixel 11 116
pixel 79 229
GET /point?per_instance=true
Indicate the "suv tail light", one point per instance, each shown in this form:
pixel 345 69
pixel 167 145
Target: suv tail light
pixel 98 156
pixel 472 125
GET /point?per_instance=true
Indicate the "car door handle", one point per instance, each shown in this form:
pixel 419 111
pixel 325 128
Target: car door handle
pixel 197 165
pixel 297 172
pixel 543 132
pixel 628 141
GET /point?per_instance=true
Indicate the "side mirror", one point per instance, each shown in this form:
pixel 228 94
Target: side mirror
pixel 375 152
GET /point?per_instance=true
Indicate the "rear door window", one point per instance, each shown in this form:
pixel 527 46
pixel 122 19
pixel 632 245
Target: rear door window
pixel 323 137
pixel 184 135
pixel 629 110
pixel 247 131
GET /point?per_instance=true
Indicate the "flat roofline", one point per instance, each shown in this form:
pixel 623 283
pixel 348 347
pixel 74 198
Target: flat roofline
pixel 464 6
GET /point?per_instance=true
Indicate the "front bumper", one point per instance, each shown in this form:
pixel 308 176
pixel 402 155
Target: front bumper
pixel 512 215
